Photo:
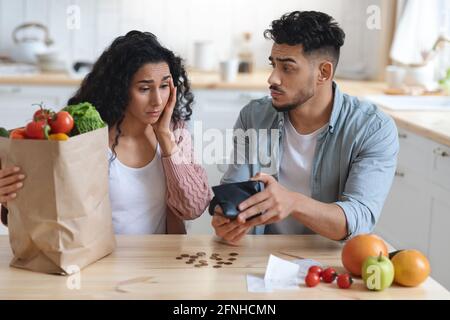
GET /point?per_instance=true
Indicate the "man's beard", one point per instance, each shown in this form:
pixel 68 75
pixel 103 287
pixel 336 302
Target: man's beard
pixel 300 98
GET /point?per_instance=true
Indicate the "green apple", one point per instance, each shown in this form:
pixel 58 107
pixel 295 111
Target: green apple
pixel 377 273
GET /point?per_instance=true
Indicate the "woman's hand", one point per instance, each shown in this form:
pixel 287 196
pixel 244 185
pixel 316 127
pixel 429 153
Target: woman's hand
pixel 162 126
pixel 11 180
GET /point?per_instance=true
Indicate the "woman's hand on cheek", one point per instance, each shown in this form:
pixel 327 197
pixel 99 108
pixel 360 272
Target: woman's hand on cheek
pixel 162 126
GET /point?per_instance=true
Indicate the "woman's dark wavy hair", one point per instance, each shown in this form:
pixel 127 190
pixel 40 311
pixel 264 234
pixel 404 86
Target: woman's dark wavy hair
pixel 315 31
pixel 107 85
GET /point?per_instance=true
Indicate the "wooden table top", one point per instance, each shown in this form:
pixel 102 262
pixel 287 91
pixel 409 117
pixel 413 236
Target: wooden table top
pixel 145 267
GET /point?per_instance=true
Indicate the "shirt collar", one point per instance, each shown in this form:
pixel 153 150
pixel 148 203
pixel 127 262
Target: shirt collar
pixel 337 106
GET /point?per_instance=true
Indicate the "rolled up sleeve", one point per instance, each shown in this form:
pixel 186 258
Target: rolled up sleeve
pixel 370 178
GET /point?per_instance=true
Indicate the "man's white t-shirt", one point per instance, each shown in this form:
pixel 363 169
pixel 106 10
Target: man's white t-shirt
pixel 138 197
pixel 295 173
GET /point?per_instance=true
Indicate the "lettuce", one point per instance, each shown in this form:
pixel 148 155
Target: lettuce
pixel 85 117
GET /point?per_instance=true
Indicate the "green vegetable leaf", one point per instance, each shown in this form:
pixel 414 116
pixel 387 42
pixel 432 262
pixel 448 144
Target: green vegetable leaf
pixel 86 118
pixel 4 133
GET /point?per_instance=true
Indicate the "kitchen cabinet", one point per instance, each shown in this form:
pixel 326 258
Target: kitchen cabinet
pixel 416 214
pixel 16 102
pixel 404 222
pixel 439 252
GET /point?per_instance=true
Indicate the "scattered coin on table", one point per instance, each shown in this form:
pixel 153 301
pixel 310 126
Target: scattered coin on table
pixel 194 259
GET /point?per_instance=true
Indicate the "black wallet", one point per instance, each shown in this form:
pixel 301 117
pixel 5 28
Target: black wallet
pixel 229 196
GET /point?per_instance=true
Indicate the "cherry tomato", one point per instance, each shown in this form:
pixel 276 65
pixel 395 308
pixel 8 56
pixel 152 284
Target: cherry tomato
pixel 61 122
pixel 18 133
pixel 37 129
pixel 312 279
pixel 344 281
pixel 328 275
pixel 316 269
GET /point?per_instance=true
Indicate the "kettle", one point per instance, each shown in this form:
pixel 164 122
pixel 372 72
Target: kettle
pixel 26 48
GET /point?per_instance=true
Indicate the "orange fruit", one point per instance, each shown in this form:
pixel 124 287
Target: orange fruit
pixel 359 248
pixel 411 268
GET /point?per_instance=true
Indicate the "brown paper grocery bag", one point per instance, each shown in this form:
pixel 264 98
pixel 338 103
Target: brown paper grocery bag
pixel 61 220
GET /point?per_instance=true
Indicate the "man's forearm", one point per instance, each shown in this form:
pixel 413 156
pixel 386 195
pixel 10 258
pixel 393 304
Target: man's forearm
pixel 326 219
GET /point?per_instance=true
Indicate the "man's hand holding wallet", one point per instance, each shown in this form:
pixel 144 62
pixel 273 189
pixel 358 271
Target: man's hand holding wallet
pixel 229 196
pixel 237 207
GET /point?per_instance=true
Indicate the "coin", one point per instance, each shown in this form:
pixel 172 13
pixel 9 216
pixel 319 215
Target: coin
pixel 227 263
pixel 189 262
pixel 218 259
pixel 234 254
pixel 231 259
pixel 217 266
pixel 179 258
pixel 184 255
pixel 193 257
pixel 203 261
pixel 197 265
pixel 220 262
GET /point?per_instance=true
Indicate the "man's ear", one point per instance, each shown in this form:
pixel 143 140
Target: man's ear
pixel 325 72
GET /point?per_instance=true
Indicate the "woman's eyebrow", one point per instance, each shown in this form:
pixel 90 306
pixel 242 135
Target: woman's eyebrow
pixel 152 81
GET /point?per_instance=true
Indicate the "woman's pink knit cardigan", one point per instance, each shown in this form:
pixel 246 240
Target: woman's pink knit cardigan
pixel 188 193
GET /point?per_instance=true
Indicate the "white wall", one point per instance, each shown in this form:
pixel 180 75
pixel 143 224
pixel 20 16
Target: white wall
pixel 179 23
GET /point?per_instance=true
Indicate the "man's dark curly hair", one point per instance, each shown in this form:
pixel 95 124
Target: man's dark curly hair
pixel 316 31
pixel 107 85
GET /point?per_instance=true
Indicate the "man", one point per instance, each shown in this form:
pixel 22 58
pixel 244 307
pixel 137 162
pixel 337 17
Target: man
pixel 337 154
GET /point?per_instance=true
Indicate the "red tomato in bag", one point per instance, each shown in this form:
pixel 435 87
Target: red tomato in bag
pixel 43 114
pixel 61 122
pixel 37 129
pixel 18 133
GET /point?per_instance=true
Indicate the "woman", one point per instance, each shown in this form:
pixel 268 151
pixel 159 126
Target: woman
pixel 142 92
